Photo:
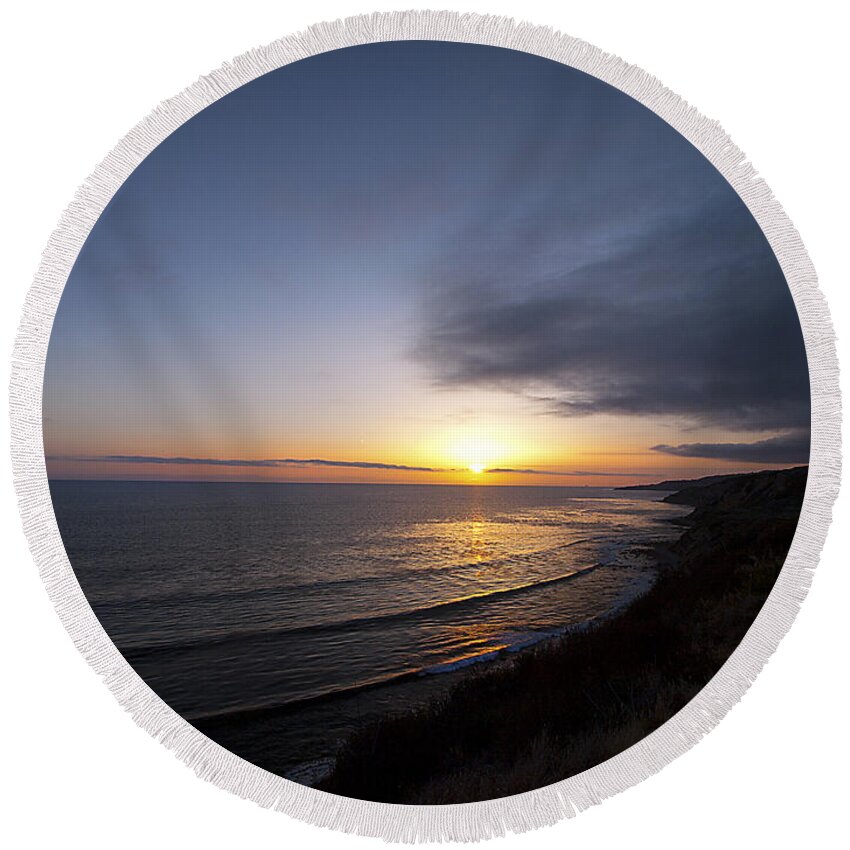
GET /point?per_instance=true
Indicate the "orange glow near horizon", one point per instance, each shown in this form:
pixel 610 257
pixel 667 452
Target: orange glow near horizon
pixel 473 461
pixel 497 443
pixel 476 451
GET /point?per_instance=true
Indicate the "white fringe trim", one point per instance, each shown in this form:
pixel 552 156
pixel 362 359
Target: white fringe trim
pixel 470 821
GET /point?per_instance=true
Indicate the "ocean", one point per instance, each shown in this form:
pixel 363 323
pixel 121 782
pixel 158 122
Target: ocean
pixel 329 604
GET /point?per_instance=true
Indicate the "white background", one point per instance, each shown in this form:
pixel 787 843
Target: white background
pixel 75 769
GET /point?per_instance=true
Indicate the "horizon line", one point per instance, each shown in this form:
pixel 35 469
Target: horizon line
pixel 300 463
pixel 474 483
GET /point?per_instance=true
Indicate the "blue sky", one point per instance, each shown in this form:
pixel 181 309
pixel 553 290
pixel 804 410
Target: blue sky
pixel 388 253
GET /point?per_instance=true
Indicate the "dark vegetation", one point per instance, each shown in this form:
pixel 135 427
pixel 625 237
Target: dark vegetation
pixel 554 712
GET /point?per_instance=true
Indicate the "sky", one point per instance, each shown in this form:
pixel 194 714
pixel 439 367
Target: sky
pixel 424 262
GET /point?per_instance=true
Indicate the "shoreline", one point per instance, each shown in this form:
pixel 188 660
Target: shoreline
pixel 314 772
pixel 572 701
pixel 247 729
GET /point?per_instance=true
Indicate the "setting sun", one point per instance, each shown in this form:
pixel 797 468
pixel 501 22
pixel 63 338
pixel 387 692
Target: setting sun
pixel 477 452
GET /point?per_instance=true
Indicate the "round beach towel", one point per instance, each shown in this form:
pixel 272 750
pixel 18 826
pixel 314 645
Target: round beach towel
pixel 426 425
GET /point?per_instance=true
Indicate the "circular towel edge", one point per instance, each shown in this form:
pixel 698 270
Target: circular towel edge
pixel 466 821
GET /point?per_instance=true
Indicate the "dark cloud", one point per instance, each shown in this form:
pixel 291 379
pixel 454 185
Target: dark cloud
pixel 509 470
pixel 282 463
pixel 573 473
pixel 789 448
pixel 276 463
pixel 637 284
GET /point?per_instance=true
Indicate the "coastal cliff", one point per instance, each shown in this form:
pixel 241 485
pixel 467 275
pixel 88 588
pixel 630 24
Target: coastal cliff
pixel 570 704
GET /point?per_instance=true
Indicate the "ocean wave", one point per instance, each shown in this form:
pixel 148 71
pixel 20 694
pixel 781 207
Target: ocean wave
pixel 504 645
pixel 265 592
pixel 499 647
pixel 372 620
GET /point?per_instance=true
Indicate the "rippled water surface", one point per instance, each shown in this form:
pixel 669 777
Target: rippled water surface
pixel 233 597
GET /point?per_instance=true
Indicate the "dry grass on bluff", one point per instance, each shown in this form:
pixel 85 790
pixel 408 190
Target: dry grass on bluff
pixel 556 711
